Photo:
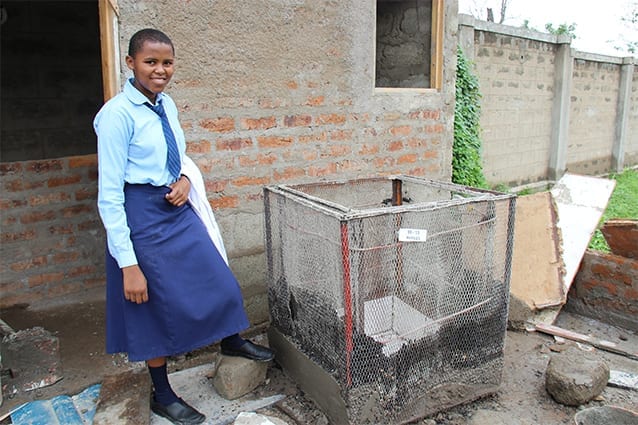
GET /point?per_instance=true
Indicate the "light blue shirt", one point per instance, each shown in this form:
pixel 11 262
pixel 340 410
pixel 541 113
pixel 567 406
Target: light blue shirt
pixel 131 149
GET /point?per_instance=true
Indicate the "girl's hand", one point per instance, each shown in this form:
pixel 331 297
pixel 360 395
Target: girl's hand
pixel 135 288
pixel 179 195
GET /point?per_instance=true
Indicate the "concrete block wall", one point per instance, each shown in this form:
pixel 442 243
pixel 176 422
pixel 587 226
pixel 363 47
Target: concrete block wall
pixel 592 116
pixel 606 288
pixel 546 108
pixel 268 93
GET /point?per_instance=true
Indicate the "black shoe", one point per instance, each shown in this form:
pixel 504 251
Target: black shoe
pixel 250 351
pixel 178 412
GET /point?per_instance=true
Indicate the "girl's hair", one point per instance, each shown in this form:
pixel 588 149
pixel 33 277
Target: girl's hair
pixel 148 34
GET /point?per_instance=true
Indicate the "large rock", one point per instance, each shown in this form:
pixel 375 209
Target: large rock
pixel 236 376
pixel 574 377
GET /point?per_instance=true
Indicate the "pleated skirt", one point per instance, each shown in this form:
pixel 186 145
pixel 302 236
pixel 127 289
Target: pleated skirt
pixel 194 298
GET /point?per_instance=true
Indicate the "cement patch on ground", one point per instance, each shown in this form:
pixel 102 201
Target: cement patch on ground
pixel 196 388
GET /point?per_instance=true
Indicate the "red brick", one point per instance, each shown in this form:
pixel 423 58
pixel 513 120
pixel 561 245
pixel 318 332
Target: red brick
pixel 43 279
pixel 61 230
pixel 397 145
pixel 430 154
pixel 336 151
pixel 13 185
pixel 7 204
pixel 407 159
pixel 63 181
pixel 382 163
pixel 318 137
pixel 233 144
pixel 21 266
pixel 225 202
pixel 322 171
pixel 436 128
pixel 337 119
pixel 309 155
pixel 258 123
pixel 7 168
pixel 297 120
pixel 77 210
pixel 274 141
pixel 292 85
pixel 341 135
pixel 27 235
pixel 218 125
pixel 81 271
pixel 216 185
pixel 44 166
pixel 62 289
pixel 65 257
pixel 35 216
pixel 315 101
pixel 247 161
pixel 369 150
pixel 270 103
pixel 419 171
pixel 250 181
pixel 49 198
pixel 203 146
pixel 83 161
pixel 86 193
pixel 90 225
pixel 402 130
pixel 289 173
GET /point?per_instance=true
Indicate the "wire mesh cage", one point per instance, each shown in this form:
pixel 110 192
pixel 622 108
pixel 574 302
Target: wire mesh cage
pixel 395 287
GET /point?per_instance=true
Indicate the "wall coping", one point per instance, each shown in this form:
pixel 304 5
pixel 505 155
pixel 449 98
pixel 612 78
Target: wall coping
pixel 531 34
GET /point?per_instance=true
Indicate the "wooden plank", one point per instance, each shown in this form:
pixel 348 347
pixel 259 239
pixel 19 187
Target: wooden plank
pixel 438 31
pixel 596 342
pixel 109 13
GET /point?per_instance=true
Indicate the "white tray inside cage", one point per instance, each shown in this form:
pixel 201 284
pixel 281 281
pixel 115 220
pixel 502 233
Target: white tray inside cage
pixel 393 323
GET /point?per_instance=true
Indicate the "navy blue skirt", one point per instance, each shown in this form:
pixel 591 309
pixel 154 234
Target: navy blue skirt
pixel 194 298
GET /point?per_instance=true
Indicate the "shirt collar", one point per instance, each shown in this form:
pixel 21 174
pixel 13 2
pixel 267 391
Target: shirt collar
pixel 135 96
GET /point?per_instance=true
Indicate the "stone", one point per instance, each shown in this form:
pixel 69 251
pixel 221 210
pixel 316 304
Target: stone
pixel 236 376
pixel 574 377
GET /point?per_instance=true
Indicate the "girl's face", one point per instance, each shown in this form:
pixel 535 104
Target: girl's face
pixel 152 67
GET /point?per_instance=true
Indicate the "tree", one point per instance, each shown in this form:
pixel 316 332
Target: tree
pixel 568 29
pixel 630 22
pixel 484 9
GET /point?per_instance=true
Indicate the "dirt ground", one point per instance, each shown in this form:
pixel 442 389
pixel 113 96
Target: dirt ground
pixel 521 400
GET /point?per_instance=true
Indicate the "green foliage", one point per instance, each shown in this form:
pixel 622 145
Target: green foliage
pixel 622 204
pixel 466 152
pixel 570 29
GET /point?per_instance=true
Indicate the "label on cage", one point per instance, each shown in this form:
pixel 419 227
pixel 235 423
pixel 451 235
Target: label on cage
pixel 413 235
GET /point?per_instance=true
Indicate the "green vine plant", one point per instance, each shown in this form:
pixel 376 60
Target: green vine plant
pixel 466 151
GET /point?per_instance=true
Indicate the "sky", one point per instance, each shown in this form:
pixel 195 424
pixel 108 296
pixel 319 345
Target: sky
pixel 598 23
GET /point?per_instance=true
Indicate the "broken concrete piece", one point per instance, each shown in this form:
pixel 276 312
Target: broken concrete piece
pixel 33 357
pixel 605 415
pixel 622 237
pixel 251 418
pixel 537 267
pixel 124 399
pixel 580 201
pixel 574 377
pixel 236 376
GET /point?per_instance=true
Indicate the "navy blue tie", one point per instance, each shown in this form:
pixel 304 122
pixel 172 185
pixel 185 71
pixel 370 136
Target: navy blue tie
pixel 172 156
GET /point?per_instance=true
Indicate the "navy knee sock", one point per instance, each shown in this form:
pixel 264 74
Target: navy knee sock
pixel 233 341
pixel 163 392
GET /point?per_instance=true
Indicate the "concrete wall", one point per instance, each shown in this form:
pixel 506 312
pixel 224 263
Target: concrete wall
pixel 546 108
pixel 269 92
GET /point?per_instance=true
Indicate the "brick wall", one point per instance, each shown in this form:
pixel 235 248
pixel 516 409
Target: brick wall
pixel 267 93
pixel 606 288
pixel 52 242
pixel 592 116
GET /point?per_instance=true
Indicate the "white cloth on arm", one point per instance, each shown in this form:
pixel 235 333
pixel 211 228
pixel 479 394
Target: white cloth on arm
pixel 199 203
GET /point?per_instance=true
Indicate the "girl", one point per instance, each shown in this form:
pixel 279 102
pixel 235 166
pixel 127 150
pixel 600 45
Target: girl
pixel 169 290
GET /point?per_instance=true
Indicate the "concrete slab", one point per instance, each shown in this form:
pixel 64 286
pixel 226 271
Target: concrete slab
pixel 581 202
pixel 194 385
